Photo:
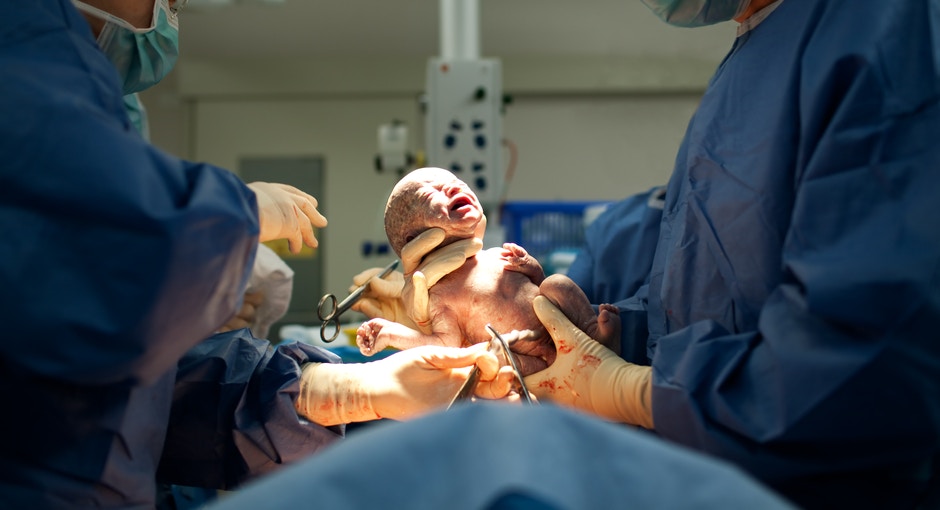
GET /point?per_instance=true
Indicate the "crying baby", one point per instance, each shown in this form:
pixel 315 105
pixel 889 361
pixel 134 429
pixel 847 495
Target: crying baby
pixel 495 286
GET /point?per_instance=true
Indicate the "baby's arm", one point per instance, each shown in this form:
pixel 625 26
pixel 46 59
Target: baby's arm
pixel 519 260
pixel 378 334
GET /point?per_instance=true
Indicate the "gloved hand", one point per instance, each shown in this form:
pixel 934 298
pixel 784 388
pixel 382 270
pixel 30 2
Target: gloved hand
pixel 432 268
pixel 285 212
pixel 588 376
pixel 404 385
pixel 384 297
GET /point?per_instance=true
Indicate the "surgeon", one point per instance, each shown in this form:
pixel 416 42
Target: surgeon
pixel 794 295
pixel 271 283
pixel 119 261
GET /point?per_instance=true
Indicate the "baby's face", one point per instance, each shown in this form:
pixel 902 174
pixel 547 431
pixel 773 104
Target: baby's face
pixel 451 204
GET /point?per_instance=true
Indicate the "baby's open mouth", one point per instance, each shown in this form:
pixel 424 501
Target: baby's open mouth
pixel 460 202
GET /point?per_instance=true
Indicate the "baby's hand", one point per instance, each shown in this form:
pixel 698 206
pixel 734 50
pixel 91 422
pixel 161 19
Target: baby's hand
pixel 367 336
pixel 519 261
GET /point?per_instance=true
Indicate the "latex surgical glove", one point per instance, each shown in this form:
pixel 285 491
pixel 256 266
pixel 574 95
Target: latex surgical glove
pixel 245 317
pixel 384 298
pixel 430 268
pixel 404 385
pixel 416 255
pixel 285 212
pixel 588 376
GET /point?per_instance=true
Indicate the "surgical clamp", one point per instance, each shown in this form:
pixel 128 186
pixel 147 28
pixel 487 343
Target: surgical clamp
pixel 523 390
pixel 331 319
pixel 496 343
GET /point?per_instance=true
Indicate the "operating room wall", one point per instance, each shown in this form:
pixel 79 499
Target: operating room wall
pixel 594 148
pixel 568 146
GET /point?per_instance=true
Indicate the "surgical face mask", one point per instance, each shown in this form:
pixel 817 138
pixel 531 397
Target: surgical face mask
pixel 142 56
pixel 137 114
pixel 696 13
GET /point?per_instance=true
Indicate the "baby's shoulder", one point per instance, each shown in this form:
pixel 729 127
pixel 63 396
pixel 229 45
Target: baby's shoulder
pixel 490 255
pixel 486 262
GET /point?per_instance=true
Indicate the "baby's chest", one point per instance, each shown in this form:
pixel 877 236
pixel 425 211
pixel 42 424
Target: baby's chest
pixel 482 294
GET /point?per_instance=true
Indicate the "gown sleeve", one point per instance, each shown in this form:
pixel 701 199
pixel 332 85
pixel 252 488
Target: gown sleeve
pixel 117 257
pixel 232 416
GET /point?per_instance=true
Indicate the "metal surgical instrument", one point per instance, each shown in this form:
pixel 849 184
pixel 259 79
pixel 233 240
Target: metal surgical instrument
pixel 496 343
pixel 330 313
pixel 523 390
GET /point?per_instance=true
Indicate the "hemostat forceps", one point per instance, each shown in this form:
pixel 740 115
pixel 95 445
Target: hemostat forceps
pixel 523 390
pixel 497 343
pixel 329 314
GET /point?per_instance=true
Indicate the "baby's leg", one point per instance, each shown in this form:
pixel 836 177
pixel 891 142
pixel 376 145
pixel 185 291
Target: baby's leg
pixel 378 334
pixel 570 299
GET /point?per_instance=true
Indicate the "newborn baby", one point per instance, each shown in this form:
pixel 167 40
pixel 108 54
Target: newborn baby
pixel 495 286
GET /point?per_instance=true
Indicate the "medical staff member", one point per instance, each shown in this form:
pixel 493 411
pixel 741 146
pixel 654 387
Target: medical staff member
pixel 794 296
pixel 270 286
pixel 118 260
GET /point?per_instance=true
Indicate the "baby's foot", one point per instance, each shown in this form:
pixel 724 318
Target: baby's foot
pixel 608 327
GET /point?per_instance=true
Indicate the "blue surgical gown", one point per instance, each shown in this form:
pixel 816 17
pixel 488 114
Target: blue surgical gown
pixel 794 297
pixel 116 262
pixel 609 272
pixel 495 456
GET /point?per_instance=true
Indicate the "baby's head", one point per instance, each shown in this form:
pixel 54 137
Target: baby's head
pixel 432 197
